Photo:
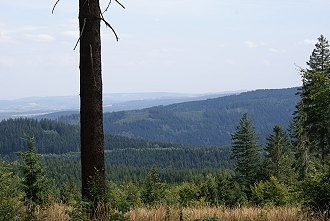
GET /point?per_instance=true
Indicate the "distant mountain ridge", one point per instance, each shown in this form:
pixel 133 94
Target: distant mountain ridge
pixel 53 107
pixel 206 122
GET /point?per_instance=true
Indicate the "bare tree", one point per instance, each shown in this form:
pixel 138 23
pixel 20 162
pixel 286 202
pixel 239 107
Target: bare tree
pixel 91 113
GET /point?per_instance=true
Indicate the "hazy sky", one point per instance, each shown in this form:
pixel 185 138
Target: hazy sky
pixel 165 45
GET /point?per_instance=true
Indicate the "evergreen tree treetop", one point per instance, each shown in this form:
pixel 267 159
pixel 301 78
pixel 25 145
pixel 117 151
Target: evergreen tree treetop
pixel 35 182
pixel 278 155
pixel 320 58
pixel 246 154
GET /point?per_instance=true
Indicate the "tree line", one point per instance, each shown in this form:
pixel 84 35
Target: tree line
pixel 291 168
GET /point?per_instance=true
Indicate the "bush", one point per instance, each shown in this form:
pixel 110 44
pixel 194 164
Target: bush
pixel 316 191
pixel 270 192
pixel 188 194
pixel 123 198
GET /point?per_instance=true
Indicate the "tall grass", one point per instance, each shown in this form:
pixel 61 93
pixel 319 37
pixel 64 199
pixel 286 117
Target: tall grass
pixel 217 213
pixel 57 212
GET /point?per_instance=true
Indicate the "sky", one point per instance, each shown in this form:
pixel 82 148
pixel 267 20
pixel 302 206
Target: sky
pixel 184 46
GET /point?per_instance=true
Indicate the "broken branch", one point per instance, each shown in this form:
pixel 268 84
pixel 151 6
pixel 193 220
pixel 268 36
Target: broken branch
pixel 55 6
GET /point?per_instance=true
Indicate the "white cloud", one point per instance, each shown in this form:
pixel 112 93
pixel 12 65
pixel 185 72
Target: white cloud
pixel 276 51
pixel 230 62
pixel 251 44
pixel 40 37
pixel 308 42
pixel 4 37
pixel 71 34
pixel 267 62
pixel 6 61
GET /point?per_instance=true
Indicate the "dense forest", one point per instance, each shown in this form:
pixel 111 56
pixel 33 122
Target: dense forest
pixel 290 169
pixel 206 122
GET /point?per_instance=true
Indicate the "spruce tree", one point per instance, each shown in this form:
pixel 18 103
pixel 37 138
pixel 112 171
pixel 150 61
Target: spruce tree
pixel 36 185
pixel 278 155
pixel 301 145
pixel 246 154
pixel 153 190
pixel 319 61
pixel 313 116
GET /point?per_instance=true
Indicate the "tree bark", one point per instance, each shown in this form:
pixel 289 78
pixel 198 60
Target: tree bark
pixel 91 113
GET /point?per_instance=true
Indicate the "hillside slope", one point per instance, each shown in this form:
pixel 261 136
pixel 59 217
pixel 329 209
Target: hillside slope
pixel 207 122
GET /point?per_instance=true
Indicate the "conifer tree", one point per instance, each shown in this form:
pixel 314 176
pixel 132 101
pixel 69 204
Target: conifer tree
pixel 153 191
pixel 319 61
pixel 312 117
pixel 35 182
pixel 11 195
pixel 301 145
pixel 278 154
pixel 246 154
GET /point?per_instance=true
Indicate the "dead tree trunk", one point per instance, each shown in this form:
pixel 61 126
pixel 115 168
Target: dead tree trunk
pixel 91 114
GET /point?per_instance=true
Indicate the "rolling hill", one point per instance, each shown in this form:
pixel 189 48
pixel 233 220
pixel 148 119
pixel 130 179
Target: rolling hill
pixel 206 122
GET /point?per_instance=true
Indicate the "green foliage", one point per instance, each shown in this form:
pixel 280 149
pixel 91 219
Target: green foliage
pixel 188 194
pixel 270 193
pixel 153 189
pixel 246 154
pixel 209 190
pixel 315 190
pixel 78 211
pixel 320 58
pixel 279 156
pixel 11 196
pixel 35 182
pixel 69 193
pixel 124 197
pixel 118 217
pixel 51 136
pixel 313 115
pixel 312 132
pixel 229 191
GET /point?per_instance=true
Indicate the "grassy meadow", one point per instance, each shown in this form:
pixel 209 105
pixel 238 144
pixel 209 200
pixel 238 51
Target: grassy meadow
pixel 59 212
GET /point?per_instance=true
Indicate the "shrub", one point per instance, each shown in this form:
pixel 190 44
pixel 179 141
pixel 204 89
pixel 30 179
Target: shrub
pixel 188 194
pixel 270 192
pixel 316 191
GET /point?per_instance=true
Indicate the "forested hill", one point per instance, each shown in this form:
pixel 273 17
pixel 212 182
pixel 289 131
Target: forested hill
pixel 199 122
pixel 206 122
pixel 56 138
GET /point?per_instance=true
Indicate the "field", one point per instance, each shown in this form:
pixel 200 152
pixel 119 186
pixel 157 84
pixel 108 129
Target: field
pixel 58 212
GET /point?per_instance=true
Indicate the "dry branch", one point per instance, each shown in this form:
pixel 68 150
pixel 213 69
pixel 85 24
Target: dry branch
pixel 82 31
pixel 55 6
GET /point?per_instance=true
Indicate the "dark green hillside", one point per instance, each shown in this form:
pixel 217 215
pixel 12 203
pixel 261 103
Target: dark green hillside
pixel 53 137
pixel 176 164
pixel 206 122
pixel 59 144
